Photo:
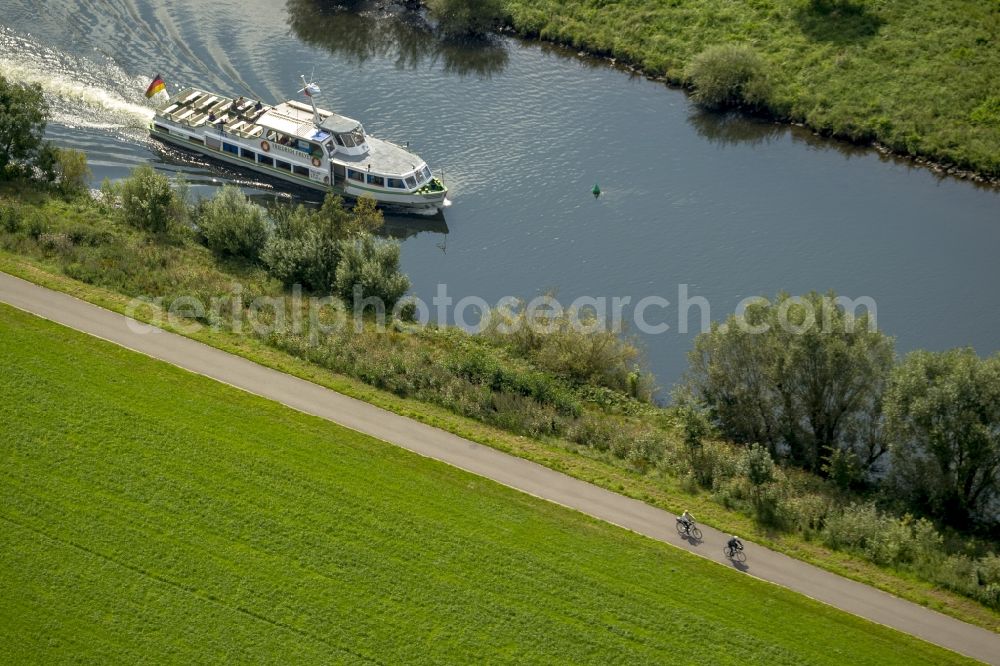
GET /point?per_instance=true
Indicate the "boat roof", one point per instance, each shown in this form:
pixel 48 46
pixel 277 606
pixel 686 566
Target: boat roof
pixel 337 123
pixel 384 157
pixel 296 119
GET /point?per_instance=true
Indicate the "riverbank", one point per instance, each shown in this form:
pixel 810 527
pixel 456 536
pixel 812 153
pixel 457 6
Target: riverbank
pixel 212 501
pixel 917 79
pixel 477 388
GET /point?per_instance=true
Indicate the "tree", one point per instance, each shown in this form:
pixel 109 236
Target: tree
pixel 23 115
pixel 801 375
pixel 369 268
pixel 232 225
pixel 943 418
pixel 304 246
pixel 149 202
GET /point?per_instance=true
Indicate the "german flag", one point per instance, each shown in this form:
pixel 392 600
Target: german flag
pixel 156 86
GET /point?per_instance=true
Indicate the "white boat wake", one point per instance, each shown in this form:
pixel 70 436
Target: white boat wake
pixel 80 92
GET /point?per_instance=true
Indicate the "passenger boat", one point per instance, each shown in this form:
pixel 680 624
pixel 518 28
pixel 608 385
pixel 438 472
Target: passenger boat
pixel 300 144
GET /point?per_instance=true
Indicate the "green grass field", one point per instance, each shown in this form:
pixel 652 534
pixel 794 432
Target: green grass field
pixel 919 76
pixel 152 514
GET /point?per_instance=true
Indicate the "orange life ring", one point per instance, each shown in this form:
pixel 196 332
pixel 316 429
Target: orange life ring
pixel 265 146
pixel 316 161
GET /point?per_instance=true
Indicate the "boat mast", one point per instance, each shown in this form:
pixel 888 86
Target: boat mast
pixel 311 90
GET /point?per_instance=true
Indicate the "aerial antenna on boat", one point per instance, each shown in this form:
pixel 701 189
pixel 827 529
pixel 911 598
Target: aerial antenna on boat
pixel 310 90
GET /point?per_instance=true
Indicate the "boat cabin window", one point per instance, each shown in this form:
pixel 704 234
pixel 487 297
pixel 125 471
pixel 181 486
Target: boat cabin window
pixel 356 175
pixel 230 148
pixel 263 159
pixel 330 147
pixel 249 154
pixel 397 183
pixel 283 165
pixel 301 170
pixel 411 182
pixel 355 137
pixel 306 147
pixel 427 173
pixel 376 180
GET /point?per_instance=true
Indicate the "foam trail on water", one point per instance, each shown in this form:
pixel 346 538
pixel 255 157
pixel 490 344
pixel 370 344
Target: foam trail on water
pixel 80 92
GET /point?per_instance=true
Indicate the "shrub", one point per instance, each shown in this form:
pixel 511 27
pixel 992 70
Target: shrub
pixel 46 159
pixel 10 219
pixel 85 234
pixel 148 201
pixel 309 260
pixel 232 225
pixel 109 196
pixel 369 268
pixel 55 243
pixel 520 414
pixel 570 345
pixel 805 512
pixel 757 466
pixel 843 469
pixel 852 527
pixel 712 464
pixel 729 75
pixel 644 451
pixel 304 246
pixel 596 433
pixel 36 225
pixel 72 170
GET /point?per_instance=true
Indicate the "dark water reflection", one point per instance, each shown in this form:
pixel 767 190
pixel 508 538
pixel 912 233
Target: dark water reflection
pixel 732 128
pixel 393 33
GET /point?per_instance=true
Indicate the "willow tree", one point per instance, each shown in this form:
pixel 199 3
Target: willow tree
pixel 802 375
pixel 943 417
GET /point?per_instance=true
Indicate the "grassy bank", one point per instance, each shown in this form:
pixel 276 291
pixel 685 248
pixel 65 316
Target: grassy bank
pixel 485 391
pixel 918 77
pixel 217 525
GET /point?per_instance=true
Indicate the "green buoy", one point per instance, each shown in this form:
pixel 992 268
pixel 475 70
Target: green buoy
pixel 596 191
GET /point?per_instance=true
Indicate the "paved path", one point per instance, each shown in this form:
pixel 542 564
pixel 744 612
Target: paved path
pixel 509 470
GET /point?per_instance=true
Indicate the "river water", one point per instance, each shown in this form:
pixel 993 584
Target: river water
pixel 721 207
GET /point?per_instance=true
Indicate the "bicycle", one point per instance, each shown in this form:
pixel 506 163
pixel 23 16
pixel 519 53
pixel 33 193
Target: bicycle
pixel 735 553
pixel 688 529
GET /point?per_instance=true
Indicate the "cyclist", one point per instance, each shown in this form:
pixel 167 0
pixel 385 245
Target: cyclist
pixel 735 544
pixel 687 519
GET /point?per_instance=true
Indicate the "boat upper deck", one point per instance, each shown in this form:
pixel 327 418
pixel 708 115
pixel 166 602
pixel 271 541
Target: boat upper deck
pixel 291 128
pixel 197 108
